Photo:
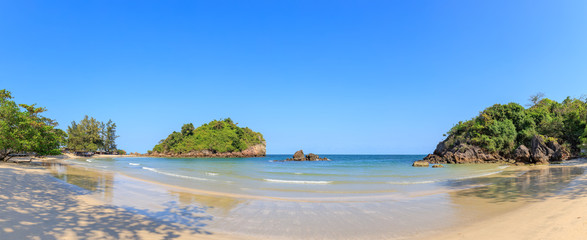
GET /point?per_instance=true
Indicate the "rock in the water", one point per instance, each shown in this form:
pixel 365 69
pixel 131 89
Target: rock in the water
pixel 437 166
pixel 312 157
pixel 299 156
pixel 421 163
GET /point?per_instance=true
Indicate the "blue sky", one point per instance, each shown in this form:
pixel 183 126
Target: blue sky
pixel 325 76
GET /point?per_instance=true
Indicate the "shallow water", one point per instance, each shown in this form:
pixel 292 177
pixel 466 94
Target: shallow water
pixel 343 176
pixel 349 197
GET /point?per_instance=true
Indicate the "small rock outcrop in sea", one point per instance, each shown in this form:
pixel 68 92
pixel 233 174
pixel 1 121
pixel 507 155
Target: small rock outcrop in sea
pixel 538 153
pixel 421 163
pixel 437 166
pixel 299 156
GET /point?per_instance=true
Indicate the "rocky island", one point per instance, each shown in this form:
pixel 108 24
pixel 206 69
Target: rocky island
pixel 546 132
pixel 299 156
pixel 218 138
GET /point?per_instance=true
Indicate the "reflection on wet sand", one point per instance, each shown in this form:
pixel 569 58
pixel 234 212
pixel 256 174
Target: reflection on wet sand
pixel 103 186
pixel 515 186
pixel 513 189
pixel 225 204
pixel 98 182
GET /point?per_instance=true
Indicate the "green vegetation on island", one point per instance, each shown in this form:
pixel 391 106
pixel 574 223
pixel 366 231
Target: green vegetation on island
pixel 24 130
pixel 218 136
pixel 90 135
pixel 545 130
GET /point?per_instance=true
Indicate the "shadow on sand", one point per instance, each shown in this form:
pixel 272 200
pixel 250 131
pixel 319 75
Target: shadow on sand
pixel 38 206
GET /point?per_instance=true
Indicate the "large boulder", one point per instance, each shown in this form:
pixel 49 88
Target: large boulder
pixel 559 152
pixel 299 156
pixel 522 154
pixel 312 157
pixel 420 163
pixel 540 152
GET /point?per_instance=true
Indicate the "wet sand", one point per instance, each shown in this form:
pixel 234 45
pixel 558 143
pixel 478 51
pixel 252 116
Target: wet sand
pixel 553 212
pixel 69 202
pixel 35 205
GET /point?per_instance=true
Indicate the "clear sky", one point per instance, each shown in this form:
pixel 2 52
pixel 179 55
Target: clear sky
pixel 325 76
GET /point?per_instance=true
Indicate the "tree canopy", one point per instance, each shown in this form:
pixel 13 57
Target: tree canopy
pixel 90 135
pixel 502 128
pixel 217 136
pixel 24 129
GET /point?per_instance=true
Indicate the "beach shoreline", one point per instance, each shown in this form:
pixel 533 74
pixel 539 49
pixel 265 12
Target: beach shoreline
pixel 564 208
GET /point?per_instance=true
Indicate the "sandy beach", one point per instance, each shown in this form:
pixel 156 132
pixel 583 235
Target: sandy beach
pixel 69 202
pixel 37 206
pixel 563 216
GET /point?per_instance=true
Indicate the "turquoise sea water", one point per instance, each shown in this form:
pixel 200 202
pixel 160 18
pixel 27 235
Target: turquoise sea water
pixel 343 176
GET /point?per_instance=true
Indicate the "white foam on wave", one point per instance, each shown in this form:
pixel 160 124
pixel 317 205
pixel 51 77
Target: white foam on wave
pixel 296 181
pixel 211 174
pixel 503 167
pixel 88 160
pixel 133 164
pixel 298 173
pixel 176 175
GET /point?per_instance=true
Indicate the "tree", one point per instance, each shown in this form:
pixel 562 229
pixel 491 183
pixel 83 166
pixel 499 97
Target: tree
pixel 110 136
pixel 535 99
pixel 90 135
pixel 187 129
pixel 24 129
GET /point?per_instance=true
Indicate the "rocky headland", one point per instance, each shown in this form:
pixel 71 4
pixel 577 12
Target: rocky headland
pixel 539 152
pixel 299 156
pixel 546 132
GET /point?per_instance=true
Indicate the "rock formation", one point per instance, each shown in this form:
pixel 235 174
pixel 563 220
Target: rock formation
pixel 538 153
pixel 299 156
pixel 421 163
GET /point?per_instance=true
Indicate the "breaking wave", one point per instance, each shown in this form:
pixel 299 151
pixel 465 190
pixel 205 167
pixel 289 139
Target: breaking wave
pixel 296 181
pixel 175 175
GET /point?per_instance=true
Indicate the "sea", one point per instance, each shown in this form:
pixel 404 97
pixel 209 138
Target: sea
pixel 343 176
